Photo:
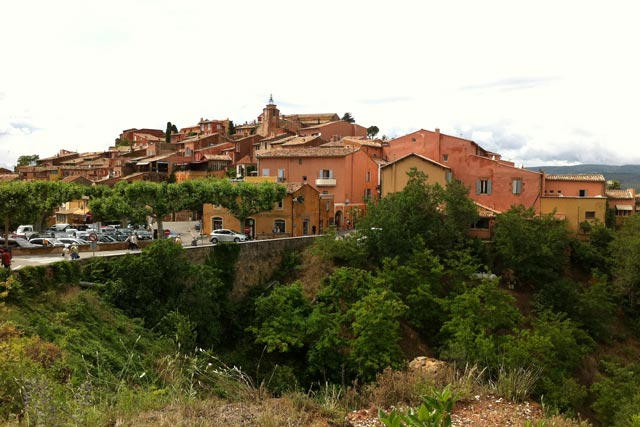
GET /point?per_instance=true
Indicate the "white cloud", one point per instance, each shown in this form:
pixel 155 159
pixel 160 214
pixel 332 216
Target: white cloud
pixel 549 82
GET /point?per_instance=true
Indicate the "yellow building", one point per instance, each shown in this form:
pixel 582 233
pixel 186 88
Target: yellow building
pixel 394 176
pixel 578 211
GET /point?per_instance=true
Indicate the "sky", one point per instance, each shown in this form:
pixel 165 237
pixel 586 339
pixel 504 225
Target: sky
pixel 541 83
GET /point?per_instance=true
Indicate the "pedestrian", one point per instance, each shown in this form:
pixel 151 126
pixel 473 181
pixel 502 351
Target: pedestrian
pixel 75 251
pixel 6 258
pixel 128 241
pixel 134 241
pixel 178 241
pixel 65 253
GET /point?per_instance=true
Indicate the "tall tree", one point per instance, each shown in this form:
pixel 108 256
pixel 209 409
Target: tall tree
pixel 171 128
pixel 141 200
pixel 50 195
pixel 16 204
pixel 232 128
pixel 28 159
pixel 347 117
pixel 372 131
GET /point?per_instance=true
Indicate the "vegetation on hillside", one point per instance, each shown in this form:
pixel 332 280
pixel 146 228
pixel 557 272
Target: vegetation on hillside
pixel 544 315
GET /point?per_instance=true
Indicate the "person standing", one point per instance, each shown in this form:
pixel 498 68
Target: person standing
pixel 134 241
pixel 178 241
pixel 65 253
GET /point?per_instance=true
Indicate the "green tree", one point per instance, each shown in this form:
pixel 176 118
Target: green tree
pixel 16 204
pixel 533 247
pixel 232 128
pixel 49 196
pixel 28 159
pixel 614 184
pixel 625 250
pixel 140 200
pixel 171 128
pixel 480 319
pixel 281 319
pixel 347 117
pixel 372 131
pixel 417 213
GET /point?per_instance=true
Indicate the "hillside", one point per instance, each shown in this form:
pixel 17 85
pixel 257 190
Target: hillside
pixel 628 175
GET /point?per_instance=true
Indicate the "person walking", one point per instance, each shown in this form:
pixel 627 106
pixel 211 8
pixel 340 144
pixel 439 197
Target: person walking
pixel 6 257
pixel 134 241
pixel 75 251
pixel 65 253
pixel 178 241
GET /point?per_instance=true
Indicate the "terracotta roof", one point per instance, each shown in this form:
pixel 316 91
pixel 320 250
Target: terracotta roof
pixel 246 160
pixel 485 211
pixel 309 152
pixel 619 194
pixel 217 157
pixel 592 177
pixel 298 140
pixel 292 187
pixel 9 177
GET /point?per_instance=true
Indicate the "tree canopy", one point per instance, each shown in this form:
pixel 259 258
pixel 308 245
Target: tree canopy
pixel 347 117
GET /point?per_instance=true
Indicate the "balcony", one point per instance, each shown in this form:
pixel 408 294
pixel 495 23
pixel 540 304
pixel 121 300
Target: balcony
pixel 325 182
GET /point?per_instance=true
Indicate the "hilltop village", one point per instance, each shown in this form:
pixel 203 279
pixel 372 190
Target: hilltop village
pixel 331 167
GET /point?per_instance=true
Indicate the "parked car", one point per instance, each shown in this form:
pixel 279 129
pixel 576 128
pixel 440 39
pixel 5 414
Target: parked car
pixel 19 242
pixel 225 235
pixel 144 235
pixel 47 242
pixel 68 241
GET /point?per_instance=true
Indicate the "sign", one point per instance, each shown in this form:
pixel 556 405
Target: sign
pixel 93 237
pixel 167 232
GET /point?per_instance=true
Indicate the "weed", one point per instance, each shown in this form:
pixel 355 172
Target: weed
pixel 435 411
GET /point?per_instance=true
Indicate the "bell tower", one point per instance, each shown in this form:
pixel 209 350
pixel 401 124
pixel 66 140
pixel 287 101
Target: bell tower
pixel 270 119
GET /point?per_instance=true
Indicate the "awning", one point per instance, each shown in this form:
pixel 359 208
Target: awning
pixel 142 163
pixel 624 207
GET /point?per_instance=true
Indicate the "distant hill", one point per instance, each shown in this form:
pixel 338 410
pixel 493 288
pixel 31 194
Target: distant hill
pixel 628 175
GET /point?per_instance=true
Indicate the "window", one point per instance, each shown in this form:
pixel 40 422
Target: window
pixel 483 186
pixel 265 172
pixel 413 140
pixel 589 215
pixel 326 174
pixel 367 194
pixel 280 175
pixel 216 221
pixel 367 177
pixel 481 224
pixel 449 176
pixel 279 226
pixel 516 186
pixel 582 193
pixel 327 206
pixel 280 204
pixel 445 157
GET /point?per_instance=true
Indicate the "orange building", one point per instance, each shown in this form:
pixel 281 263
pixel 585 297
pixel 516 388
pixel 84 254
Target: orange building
pixel 393 176
pixel 494 183
pixel 303 211
pixel 347 173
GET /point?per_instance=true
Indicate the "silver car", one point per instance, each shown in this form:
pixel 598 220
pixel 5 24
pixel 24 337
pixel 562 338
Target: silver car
pixel 224 235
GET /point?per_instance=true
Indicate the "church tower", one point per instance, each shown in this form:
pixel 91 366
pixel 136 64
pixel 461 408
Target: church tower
pixel 270 119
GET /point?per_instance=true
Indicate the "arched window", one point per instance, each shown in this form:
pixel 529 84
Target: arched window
pixel 216 223
pixel 279 226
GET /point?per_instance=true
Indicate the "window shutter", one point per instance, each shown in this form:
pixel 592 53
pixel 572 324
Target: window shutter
pixel 478 186
pixel 488 186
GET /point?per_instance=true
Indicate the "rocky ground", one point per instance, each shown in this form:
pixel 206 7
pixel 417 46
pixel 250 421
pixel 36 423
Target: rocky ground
pixel 481 411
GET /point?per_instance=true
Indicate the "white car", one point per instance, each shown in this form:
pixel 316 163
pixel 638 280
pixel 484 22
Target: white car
pixel 68 241
pixel 224 235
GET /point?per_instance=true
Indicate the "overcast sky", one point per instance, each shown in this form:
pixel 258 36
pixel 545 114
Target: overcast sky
pixel 542 83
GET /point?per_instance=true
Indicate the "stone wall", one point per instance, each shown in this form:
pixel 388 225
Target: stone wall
pixel 259 259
